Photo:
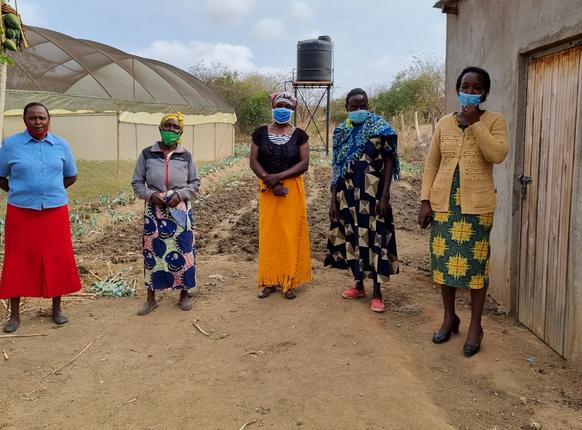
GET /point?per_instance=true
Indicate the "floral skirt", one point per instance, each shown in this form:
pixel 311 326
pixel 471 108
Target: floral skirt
pixel 459 245
pixel 168 247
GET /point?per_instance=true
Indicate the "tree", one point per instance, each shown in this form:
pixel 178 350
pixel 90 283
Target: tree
pixel 338 110
pixel 12 38
pixel 247 94
pixel 419 87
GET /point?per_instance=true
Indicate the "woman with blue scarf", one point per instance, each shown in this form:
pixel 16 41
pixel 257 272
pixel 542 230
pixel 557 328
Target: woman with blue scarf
pixel 361 236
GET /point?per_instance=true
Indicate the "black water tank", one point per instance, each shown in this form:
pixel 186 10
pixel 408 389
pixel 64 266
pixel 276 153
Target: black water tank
pixel 315 59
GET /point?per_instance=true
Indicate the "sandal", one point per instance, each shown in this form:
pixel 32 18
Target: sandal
pixel 290 294
pixel 266 292
pixel 353 293
pixel 377 305
pixel 147 308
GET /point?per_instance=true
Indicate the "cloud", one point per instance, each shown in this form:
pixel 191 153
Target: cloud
pixel 227 11
pixel 186 54
pixel 268 28
pixel 313 34
pixel 32 14
pixel 301 10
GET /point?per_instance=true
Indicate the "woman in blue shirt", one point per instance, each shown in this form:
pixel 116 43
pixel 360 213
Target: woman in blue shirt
pixel 36 167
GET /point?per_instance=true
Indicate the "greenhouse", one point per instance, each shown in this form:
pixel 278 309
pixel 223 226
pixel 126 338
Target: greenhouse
pixel 108 103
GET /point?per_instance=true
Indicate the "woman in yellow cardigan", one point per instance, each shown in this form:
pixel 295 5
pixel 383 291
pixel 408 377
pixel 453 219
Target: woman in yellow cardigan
pixel 458 197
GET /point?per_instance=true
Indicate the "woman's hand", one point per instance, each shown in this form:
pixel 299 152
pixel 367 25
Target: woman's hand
pixel 471 114
pixel 384 205
pixel 278 190
pixel 333 211
pixel 271 179
pixel 174 201
pixel 157 199
pixel 424 214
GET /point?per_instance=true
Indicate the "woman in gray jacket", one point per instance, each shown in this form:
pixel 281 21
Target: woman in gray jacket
pixel 167 179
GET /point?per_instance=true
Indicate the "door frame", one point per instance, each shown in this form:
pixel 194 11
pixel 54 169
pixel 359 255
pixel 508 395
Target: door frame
pixel 575 219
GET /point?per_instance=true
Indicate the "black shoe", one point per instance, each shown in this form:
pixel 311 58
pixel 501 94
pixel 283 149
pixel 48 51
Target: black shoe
pixel 11 326
pixel 470 350
pixel 442 337
pixel 60 318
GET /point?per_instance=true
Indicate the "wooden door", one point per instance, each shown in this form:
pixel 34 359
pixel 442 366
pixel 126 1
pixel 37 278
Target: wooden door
pixel 553 92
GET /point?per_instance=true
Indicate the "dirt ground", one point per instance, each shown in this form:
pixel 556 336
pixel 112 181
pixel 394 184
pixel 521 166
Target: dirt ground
pixel 317 362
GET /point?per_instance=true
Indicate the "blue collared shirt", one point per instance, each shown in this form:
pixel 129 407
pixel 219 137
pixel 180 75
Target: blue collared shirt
pixel 35 170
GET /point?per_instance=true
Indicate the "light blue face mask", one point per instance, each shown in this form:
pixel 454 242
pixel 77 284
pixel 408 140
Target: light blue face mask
pixel 282 115
pixel 358 116
pixel 469 99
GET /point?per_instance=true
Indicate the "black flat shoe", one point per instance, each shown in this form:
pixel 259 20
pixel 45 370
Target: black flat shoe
pixel 11 326
pixel 442 336
pixel 60 318
pixel 470 350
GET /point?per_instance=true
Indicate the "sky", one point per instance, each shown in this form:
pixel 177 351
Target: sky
pixel 373 40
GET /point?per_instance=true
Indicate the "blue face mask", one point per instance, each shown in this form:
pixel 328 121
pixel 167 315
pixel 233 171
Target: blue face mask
pixel 469 99
pixel 358 116
pixel 282 115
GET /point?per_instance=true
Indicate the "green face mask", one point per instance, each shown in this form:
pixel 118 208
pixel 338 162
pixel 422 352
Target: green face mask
pixel 169 137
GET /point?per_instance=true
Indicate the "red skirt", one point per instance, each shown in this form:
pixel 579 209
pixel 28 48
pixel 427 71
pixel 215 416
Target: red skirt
pixel 38 254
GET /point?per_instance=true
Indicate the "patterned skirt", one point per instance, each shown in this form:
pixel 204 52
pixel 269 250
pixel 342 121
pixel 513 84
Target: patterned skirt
pixel 459 245
pixel 361 240
pixel 168 247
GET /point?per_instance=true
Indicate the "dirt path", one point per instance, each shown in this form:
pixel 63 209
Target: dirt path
pixel 318 362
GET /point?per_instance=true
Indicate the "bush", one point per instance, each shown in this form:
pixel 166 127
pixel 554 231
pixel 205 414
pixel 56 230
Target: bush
pixel 247 94
pixel 419 87
pixel 254 111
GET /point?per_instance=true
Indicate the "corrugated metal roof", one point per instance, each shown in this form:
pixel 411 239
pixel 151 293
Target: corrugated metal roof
pixel 448 6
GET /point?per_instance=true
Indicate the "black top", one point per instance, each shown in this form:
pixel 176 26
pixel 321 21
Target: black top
pixel 277 158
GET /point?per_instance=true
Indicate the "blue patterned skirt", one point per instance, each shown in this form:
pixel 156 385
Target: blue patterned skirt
pixel 168 247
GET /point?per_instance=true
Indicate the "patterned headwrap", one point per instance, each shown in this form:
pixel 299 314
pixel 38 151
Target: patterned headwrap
pixel 349 142
pixel 177 116
pixel 284 96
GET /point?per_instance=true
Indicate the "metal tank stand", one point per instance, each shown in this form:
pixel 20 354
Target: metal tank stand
pixel 311 95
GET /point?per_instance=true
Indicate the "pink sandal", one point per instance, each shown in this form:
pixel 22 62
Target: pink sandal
pixel 377 305
pixel 353 293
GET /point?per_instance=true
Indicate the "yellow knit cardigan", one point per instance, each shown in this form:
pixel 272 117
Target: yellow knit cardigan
pixel 474 150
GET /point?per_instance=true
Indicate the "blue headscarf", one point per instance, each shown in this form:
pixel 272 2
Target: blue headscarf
pixel 349 142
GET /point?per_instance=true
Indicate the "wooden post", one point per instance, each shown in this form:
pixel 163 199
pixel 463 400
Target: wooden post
pixel 402 123
pixel 433 120
pixel 3 72
pixel 418 136
pixel 118 167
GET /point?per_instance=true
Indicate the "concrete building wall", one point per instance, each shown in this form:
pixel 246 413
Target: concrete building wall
pixel 498 35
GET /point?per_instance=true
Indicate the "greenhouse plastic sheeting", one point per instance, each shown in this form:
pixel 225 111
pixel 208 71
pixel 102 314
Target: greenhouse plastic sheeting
pixel 72 74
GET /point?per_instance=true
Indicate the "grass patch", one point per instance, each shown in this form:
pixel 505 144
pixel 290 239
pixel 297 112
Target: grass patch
pixel 241 150
pixel 414 169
